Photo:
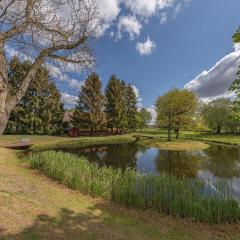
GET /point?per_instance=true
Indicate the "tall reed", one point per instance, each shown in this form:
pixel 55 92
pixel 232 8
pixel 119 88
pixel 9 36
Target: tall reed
pixel 168 194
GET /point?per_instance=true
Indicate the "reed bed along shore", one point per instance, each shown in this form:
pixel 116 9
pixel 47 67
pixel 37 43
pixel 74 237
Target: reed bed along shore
pixel 177 197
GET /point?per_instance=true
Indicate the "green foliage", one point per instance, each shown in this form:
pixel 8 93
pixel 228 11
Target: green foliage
pixel 144 118
pixel 175 109
pixel 131 107
pixel 115 104
pixel 236 88
pixel 164 193
pixel 217 113
pixel 236 36
pixel 40 111
pixel 89 112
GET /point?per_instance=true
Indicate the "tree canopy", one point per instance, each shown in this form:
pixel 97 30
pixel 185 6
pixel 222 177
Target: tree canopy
pixel 217 113
pixel 44 30
pixel 89 112
pixel 144 118
pixel 175 109
pixel 40 111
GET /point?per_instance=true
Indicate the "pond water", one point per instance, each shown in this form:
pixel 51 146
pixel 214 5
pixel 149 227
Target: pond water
pixel 215 163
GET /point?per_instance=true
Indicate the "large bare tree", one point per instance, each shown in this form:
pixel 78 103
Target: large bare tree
pixel 44 30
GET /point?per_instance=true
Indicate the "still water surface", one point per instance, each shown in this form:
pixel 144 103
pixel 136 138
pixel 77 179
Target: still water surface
pixel 212 164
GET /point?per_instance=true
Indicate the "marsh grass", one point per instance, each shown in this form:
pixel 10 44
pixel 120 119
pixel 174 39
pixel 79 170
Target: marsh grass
pixel 167 194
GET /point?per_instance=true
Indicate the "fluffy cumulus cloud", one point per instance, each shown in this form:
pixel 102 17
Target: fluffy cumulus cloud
pixel 146 48
pixel 139 10
pixel 109 9
pixel 130 25
pixel 216 81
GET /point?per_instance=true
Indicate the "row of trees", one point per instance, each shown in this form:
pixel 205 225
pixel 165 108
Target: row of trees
pixel 181 109
pixel 116 108
pixel 40 111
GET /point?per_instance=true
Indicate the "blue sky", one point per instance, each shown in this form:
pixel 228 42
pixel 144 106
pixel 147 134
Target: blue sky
pixel 159 44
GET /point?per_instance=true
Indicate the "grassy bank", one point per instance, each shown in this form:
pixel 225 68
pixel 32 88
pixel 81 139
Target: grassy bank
pixel 181 198
pixel 223 138
pixel 35 208
pixel 85 141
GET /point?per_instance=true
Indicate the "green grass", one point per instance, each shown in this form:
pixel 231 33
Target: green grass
pixel 167 194
pixel 223 138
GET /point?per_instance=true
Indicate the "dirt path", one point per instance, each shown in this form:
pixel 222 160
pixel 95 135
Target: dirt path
pixel 34 207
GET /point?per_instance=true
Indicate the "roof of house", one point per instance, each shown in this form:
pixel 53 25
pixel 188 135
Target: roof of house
pixel 67 116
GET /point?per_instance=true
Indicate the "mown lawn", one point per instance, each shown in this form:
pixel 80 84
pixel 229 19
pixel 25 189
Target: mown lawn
pixel 34 207
pixel 211 137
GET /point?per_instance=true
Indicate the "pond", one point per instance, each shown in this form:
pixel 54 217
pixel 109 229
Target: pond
pixel 215 163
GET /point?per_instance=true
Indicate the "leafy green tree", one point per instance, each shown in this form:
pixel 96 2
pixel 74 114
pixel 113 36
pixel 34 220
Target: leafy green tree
pixel 217 113
pixel 131 107
pixel 175 109
pixel 115 106
pixel 40 110
pixel 90 105
pixel 144 118
pixel 236 36
pixel 234 124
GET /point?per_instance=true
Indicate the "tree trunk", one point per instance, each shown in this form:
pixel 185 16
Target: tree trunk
pixel 219 128
pixel 3 122
pixel 169 129
pixel 177 133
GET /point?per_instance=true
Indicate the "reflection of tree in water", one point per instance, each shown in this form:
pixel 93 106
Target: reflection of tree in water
pixel 178 163
pixel 223 161
pixel 115 155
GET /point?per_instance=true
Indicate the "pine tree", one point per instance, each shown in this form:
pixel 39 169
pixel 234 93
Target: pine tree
pixel 40 111
pixel 115 104
pixel 131 107
pixel 89 112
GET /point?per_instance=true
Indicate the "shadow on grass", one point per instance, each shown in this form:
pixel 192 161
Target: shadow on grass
pixel 66 225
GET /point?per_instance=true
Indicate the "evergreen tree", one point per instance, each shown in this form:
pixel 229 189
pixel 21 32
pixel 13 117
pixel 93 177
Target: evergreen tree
pixel 40 111
pixel 131 107
pixel 115 104
pixel 89 112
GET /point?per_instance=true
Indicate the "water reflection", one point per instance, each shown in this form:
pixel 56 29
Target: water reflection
pixel 214 163
pixel 114 155
pixel 222 161
pixel 178 163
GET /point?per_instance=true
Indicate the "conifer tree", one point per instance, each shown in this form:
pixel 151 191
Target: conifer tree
pixel 115 104
pixel 131 107
pixel 89 112
pixel 40 111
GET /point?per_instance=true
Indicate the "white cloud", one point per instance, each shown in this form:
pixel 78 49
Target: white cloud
pixel 144 8
pixel 146 48
pixel 129 24
pixel 153 113
pixel 147 8
pixel 216 81
pixel 163 18
pixel 68 99
pixel 109 9
pixel 60 75
pixel 237 47
pixel 139 98
pixel 12 52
